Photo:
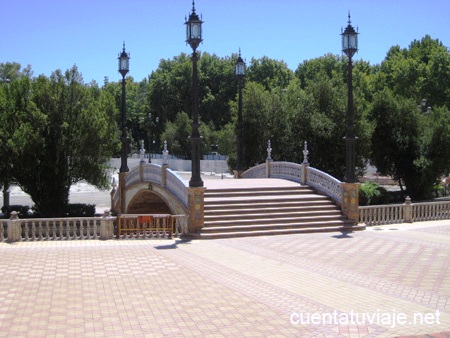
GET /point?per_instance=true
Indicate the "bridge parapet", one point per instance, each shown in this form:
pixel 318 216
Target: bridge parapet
pixel 300 173
pixel 177 186
pixel 324 183
pixel 258 171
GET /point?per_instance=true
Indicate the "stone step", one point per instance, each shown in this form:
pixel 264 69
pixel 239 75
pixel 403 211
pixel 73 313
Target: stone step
pixel 285 219
pixel 271 232
pixel 279 214
pixel 213 210
pixel 269 191
pixel 310 204
pixel 264 198
pixel 268 210
pixel 274 224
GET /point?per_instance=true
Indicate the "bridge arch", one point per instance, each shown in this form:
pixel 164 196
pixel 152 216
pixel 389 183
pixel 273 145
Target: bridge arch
pixel 150 188
pixel 147 197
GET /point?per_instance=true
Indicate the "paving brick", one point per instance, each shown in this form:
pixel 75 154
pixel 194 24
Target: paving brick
pixel 242 287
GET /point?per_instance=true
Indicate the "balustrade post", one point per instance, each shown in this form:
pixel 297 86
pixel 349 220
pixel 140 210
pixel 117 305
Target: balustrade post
pixel 407 210
pixel 106 226
pixel 350 201
pixel 14 228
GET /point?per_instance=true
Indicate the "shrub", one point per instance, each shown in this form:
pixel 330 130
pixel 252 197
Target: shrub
pixel 80 210
pixel 371 193
pixel 23 211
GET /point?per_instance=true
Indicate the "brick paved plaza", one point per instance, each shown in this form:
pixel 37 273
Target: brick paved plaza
pixel 279 286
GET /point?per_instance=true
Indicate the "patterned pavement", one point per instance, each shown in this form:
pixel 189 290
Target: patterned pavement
pixel 383 282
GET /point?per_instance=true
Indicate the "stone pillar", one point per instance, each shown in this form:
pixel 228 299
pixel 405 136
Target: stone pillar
pixel 141 171
pixel 14 228
pixel 106 226
pixel 304 173
pixel 238 173
pixel 196 203
pixel 268 168
pixel 350 201
pixel 305 164
pixel 407 210
pixel 122 200
pixel 164 168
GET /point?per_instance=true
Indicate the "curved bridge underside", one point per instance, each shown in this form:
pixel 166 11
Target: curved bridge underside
pixel 150 198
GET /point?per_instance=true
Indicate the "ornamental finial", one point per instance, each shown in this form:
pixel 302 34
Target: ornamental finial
pixel 305 153
pixel 269 151
pixel 165 152
pixel 193 6
pixel 349 20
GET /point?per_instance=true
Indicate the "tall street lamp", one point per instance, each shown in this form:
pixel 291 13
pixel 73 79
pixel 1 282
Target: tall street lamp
pixel 194 38
pixel 152 132
pixel 350 47
pixel 240 75
pixel 124 67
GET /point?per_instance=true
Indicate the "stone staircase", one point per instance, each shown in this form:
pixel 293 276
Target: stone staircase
pixel 270 210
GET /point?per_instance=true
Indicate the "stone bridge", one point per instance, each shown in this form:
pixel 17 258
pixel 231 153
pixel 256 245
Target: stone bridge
pixel 151 188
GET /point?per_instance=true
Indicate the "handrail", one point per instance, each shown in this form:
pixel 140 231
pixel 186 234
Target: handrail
pixel 324 183
pixel 286 170
pixel 152 173
pixel 177 186
pixel 258 171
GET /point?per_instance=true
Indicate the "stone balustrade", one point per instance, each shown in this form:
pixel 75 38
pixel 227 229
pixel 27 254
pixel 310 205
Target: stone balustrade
pixel 81 228
pixel 404 213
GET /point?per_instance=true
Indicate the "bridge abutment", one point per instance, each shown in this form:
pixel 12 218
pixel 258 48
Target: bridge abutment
pixel 350 200
pixel 196 203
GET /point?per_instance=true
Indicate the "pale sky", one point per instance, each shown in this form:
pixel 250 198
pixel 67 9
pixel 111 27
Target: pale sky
pixel 50 34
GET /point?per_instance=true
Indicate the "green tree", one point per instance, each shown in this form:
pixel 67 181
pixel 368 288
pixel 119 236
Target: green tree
pixel 58 131
pixel 420 71
pixel 269 73
pixel 409 145
pixel 177 135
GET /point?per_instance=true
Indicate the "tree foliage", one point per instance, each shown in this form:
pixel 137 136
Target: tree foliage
pixel 410 143
pixel 58 131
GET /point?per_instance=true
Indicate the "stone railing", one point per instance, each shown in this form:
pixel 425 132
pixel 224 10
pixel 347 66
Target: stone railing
pixel 258 171
pixel 132 177
pixel 152 173
pixel 177 186
pixel 83 228
pixel 301 173
pixel 287 170
pixel 324 183
pixel 404 213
